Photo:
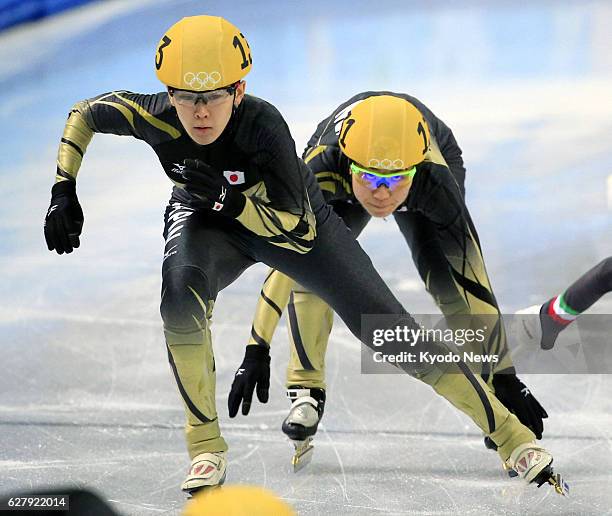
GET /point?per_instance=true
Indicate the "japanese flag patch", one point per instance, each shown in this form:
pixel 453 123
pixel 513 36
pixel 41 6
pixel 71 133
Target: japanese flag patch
pixel 234 177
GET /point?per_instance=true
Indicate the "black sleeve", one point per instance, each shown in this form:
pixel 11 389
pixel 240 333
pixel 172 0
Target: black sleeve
pixel 327 164
pixel 451 152
pixel 118 112
pixel 446 143
pixel 130 114
pixel 438 198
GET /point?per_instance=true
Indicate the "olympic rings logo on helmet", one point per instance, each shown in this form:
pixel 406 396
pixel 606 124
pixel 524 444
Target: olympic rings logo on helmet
pixel 202 80
pixel 386 164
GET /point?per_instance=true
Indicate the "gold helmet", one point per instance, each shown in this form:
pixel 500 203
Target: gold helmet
pixel 237 500
pixel 385 132
pixel 201 53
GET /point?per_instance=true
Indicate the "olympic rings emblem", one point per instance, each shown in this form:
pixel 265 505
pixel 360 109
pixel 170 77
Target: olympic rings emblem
pixel 386 164
pixel 202 80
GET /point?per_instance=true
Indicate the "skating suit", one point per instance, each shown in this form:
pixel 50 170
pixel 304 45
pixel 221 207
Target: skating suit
pixel 286 224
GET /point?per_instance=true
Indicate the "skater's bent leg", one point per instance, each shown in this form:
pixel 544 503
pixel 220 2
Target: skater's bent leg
pixel 200 260
pixel 472 396
pixel 310 321
pixel 558 312
pixel 341 273
pixel 186 310
pixel 273 299
pixel 591 286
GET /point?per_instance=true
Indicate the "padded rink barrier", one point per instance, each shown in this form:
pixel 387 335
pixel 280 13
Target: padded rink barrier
pixel 14 12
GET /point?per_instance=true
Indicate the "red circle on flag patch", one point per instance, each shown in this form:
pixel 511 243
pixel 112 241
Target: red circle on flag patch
pixel 233 178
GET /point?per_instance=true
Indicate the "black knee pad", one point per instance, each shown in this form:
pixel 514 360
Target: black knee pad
pixel 184 289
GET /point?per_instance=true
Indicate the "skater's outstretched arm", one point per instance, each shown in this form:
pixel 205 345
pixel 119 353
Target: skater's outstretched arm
pixel 117 112
pixel 436 195
pixel 254 372
pixel 587 290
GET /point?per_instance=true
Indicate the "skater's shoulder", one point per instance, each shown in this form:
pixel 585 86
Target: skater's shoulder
pixel 437 180
pixel 260 113
pixel 261 124
pixel 152 110
pixel 143 104
pixel 432 172
pixel 147 116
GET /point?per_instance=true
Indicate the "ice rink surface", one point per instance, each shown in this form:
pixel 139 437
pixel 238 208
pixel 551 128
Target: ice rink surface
pixel 86 395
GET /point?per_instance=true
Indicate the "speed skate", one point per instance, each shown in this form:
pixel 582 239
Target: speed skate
pixel 533 464
pixel 301 424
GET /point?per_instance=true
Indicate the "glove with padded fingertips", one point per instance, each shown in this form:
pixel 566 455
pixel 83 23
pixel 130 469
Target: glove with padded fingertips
pixel 64 219
pixel 211 190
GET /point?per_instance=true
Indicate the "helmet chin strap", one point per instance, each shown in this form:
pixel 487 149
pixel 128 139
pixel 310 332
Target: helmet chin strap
pixel 234 105
pixel 232 117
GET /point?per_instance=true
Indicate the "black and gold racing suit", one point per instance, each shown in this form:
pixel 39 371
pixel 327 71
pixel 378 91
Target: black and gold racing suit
pixel 437 227
pixel 285 224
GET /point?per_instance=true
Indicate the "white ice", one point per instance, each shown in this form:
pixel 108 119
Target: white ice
pixel 86 395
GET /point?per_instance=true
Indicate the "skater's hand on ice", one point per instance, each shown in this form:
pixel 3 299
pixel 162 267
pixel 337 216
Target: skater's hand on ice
pixel 518 399
pixel 211 190
pixel 253 372
pixel 64 219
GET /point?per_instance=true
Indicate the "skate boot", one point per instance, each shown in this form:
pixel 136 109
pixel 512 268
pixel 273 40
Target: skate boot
pixel 301 424
pixel 207 471
pixel 534 464
pixel 534 332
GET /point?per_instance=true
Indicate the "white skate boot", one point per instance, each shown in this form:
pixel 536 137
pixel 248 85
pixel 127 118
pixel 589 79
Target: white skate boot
pixel 538 332
pixel 534 464
pixel 528 330
pixel 302 422
pixel 207 471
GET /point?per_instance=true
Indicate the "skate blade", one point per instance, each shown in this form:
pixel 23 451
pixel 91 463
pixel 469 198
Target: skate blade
pixel 561 486
pixel 547 475
pixel 509 471
pixel 303 454
pixel 191 492
pixel 196 490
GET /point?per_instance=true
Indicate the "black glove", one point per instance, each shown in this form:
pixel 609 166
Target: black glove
pixel 211 189
pixel 254 371
pixel 518 399
pixel 64 220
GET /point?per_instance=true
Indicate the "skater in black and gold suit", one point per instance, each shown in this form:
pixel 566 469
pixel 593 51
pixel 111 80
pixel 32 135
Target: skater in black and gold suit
pixel 242 196
pixel 422 186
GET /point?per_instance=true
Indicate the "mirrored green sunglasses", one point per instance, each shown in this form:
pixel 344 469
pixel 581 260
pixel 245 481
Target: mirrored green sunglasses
pixel 374 178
